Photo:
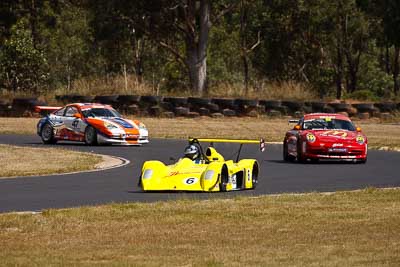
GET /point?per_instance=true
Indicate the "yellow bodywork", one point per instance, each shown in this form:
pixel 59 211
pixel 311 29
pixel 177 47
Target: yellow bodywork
pixel 211 174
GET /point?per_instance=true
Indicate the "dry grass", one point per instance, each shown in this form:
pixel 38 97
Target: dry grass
pixel 23 161
pixel 266 90
pixel 341 229
pixel 111 85
pixel 380 134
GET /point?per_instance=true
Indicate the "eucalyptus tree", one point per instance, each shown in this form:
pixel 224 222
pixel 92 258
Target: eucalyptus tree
pixel 181 27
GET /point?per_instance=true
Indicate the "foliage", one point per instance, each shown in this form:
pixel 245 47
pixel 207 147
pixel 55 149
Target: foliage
pixel 23 67
pixel 349 45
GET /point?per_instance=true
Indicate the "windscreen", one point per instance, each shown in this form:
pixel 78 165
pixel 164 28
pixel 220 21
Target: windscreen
pixel 324 123
pixel 100 112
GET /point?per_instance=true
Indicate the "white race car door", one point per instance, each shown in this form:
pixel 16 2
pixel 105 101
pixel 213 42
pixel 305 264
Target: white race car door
pixel 73 125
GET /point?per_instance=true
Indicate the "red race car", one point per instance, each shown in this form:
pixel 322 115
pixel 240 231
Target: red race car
pixel 325 136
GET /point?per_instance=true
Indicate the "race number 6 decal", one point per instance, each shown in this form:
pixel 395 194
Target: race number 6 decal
pixel 190 181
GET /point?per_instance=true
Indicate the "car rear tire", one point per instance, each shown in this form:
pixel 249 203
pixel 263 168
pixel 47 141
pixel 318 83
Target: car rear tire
pixel 362 161
pixel 90 136
pixel 47 134
pixel 254 175
pixel 224 179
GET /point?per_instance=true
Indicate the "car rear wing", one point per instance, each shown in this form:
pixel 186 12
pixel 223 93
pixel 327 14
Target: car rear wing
pixel 45 109
pixel 293 121
pixel 261 142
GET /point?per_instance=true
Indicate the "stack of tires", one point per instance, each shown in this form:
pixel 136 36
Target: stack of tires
pixel 343 108
pixel 67 99
pixel 295 108
pixel 150 105
pixel 128 104
pixel 202 106
pixel 5 108
pixel 365 110
pixel 247 107
pixel 273 108
pixel 25 106
pixel 226 106
pixel 178 106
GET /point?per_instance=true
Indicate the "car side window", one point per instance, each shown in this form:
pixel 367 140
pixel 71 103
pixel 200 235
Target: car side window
pixel 60 112
pixel 71 111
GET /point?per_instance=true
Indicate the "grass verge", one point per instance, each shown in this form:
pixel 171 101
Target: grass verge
pixel 339 229
pixel 24 161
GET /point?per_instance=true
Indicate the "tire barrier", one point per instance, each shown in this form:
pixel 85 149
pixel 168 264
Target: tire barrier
pixel 66 99
pixel 224 103
pixel 386 106
pixel 106 99
pixel 5 108
pixel 25 106
pixel 193 107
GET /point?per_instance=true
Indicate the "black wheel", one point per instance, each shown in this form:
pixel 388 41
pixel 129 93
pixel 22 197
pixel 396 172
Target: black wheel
pixel 362 161
pixel 47 134
pixel 286 156
pixel 300 157
pixel 90 136
pixel 254 175
pixel 224 179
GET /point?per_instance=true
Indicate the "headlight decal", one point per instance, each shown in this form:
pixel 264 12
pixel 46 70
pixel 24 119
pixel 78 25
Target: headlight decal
pixel 142 126
pixel 110 126
pixel 310 138
pixel 360 139
pixel 209 175
pixel 147 174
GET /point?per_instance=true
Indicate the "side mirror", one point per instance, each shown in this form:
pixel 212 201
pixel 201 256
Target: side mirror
pixel 78 115
pixel 358 129
pixel 296 127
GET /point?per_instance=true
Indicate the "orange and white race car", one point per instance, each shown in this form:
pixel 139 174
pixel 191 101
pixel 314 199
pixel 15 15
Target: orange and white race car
pixel 91 123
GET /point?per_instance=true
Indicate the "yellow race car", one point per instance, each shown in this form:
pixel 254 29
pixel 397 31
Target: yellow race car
pixel 199 171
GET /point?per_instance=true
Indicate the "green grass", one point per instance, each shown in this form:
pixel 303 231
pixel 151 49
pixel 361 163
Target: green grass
pixel 340 229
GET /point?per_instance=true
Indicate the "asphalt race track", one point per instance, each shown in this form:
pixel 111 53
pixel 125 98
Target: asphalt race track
pixel 119 185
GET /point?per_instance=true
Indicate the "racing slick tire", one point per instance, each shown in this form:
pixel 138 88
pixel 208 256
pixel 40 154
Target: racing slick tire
pixel 254 175
pixel 47 134
pixel 90 136
pixel 286 156
pixel 224 180
pixel 300 156
pixel 362 161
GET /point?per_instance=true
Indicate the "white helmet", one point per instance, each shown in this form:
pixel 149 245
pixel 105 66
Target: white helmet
pixel 192 152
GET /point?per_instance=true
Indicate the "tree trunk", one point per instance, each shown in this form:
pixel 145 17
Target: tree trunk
pixel 138 49
pixel 197 69
pixel 396 69
pixel 196 51
pixel 243 42
pixel 339 71
pixel 32 22
pixel 387 59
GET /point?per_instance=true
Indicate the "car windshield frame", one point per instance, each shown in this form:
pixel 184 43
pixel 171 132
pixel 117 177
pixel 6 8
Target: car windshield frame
pixel 100 113
pixel 331 124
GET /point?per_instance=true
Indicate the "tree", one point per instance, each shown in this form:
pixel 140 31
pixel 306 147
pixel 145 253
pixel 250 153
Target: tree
pixel 386 17
pixel 23 67
pixel 182 27
pixel 246 48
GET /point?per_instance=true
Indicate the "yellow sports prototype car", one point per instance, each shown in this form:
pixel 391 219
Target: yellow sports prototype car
pixel 199 171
